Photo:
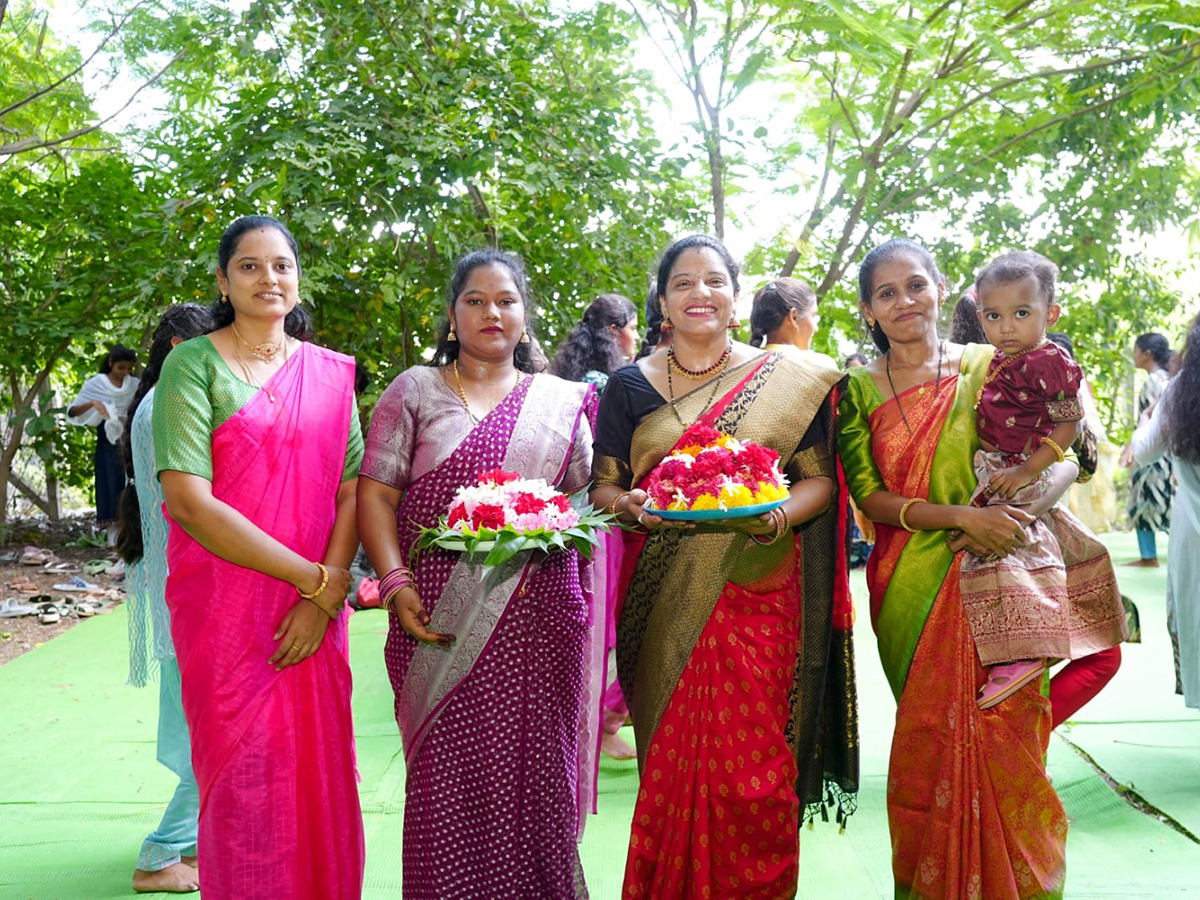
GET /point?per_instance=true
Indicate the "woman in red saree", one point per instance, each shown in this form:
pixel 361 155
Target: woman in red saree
pixel 257 448
pixel 971 812
pixel 735 660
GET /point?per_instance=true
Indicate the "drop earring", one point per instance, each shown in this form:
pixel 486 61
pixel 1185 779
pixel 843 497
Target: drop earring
pixel 451 336
pixel 733 325
pixel 224 297
pixel 524 337
pixel 666 327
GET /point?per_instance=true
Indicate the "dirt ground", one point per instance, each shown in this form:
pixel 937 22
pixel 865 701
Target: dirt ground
pixel 20 635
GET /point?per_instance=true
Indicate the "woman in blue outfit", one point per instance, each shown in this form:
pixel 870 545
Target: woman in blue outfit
pixel 167 862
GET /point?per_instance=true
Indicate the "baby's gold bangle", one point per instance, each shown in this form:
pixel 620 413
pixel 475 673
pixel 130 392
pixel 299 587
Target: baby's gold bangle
pixel 904 510
pixel 1053 445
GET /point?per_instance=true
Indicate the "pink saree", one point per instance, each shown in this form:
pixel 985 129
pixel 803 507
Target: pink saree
pixel 273 751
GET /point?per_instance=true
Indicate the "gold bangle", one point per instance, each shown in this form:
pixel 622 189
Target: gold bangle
pixel 319 591
pixel 904 509
pixel 611 509
pixel 1053 445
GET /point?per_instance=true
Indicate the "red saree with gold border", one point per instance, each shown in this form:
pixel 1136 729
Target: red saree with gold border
pixel 724 650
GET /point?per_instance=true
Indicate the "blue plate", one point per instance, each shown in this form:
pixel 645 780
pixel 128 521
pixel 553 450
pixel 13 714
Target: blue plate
pixel 699 515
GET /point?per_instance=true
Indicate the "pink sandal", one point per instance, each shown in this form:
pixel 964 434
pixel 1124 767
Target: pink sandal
pixel 1006 679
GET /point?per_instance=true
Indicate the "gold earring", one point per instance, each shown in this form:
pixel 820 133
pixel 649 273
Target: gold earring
pixel 224 297
pixel 524 337
pixel 452 336
pixel 870 321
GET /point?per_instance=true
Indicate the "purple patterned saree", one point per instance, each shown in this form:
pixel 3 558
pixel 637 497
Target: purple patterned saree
pixel 500 730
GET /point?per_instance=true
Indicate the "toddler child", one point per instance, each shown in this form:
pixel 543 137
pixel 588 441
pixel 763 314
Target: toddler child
pixel 1056 596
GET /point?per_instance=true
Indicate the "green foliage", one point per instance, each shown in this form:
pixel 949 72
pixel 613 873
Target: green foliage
pixel 395 137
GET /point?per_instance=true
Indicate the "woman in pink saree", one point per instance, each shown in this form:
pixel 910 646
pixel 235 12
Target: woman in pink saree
pixel 497 697
pixel 257 450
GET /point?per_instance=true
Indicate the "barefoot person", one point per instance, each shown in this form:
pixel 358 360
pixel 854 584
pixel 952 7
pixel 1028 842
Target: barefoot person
pixel 496 695
pixel 731 650
pixel 257 447
pixel 167 861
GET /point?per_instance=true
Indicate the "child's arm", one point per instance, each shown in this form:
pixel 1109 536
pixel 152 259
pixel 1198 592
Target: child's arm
pixel 1007 482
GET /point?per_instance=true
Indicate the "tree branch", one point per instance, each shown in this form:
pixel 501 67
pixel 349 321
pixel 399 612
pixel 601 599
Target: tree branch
pixel 35 143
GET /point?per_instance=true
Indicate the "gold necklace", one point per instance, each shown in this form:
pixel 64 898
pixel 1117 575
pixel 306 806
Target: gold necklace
pixel 250 379
pixel 462 395
pixel 1004 364
pixel 716 382
pixel 697 374
pixel 264 352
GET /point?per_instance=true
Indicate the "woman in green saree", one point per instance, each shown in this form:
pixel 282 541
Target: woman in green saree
pixel 971 811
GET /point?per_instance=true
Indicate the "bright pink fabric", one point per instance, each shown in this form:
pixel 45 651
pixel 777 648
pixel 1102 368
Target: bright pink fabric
pixel 273 751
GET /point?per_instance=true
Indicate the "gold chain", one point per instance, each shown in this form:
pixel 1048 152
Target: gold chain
pixel 995 373
pixel 250 379
pixel 716 382
pixel 462 395
pixel 264 352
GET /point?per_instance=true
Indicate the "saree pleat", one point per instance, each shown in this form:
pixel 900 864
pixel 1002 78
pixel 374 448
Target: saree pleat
pixel 273 751
pixel 726 678
pixel 971 812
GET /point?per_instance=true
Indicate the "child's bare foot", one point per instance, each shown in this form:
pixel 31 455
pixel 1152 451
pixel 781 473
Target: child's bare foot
pixel 177 879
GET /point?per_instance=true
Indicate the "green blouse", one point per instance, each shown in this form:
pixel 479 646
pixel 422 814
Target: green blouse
pixel 196 394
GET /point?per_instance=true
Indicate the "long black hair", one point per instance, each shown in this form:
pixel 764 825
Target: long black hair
pixel 1182 404
pixel 886 251
pixel 654 320
pixel 187 320
pixel 1157 346
pixel 964 322
pixel 591 346
pixel 298 323
pixel 774 301
pixel 527 355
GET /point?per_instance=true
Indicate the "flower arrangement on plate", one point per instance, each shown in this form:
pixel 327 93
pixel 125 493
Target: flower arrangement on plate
pixel 714 475
pixel 503 514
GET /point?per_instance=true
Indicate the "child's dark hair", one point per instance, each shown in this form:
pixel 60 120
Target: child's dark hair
pixel 118 353
pixel 527 355
pixel 298 323
pixel 591 346
pixel 774 301
pixel 1157 346
pixel 1180 405
pixel 885 252
pixel 187 320
pixel 1017 266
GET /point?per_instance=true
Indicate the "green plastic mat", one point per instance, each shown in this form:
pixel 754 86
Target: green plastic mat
pixel 80 786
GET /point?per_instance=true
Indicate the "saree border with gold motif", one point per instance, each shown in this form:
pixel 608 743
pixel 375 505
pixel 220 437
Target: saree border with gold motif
pixel 773 401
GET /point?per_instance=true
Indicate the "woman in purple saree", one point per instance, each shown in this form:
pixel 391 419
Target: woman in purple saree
pixel 258 473
pixel 493 679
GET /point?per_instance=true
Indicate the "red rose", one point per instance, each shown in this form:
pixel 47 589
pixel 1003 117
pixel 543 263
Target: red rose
pixel 458 513
pixel 487 515
pixel 497 476
pixel 561 502
pixel 527 503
